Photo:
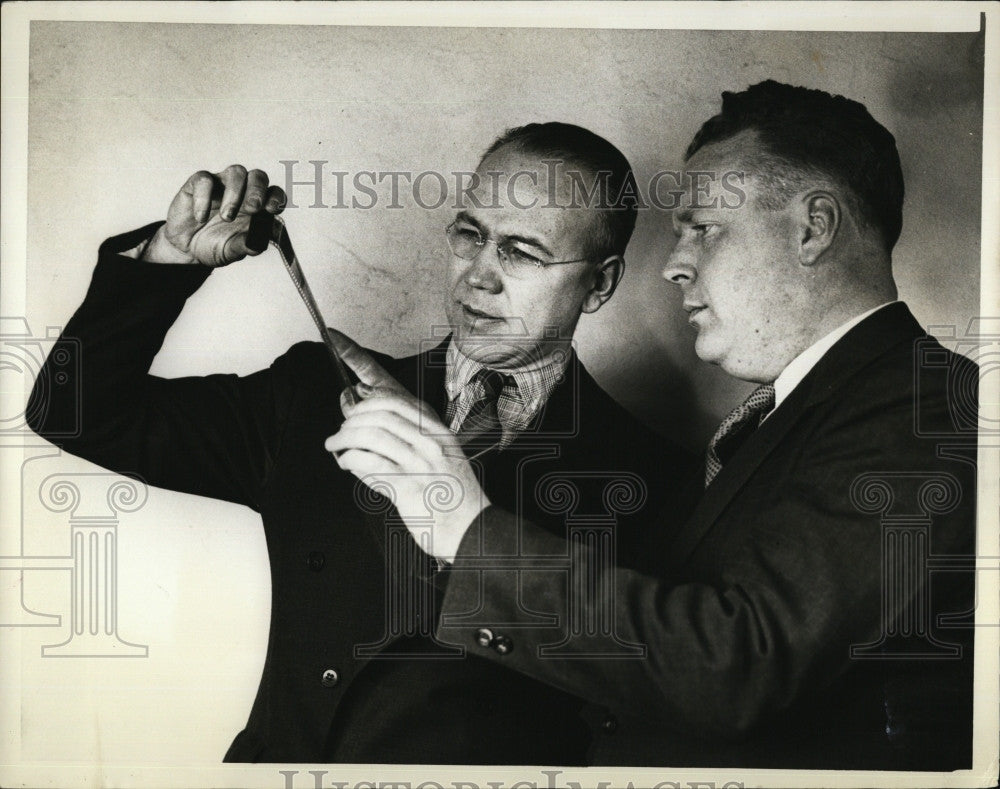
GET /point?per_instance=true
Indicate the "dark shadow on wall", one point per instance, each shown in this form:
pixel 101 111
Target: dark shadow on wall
pixel 917 92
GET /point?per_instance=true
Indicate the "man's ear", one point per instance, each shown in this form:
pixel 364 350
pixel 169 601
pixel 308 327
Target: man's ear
pixel 606 279
pixel 819 223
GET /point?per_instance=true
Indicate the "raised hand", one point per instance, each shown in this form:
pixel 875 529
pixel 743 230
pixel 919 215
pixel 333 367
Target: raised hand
pixel 209 217
pixel 392 440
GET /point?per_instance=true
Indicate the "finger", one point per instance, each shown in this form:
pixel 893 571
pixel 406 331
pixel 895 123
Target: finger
pixel 424 429
pixel 421 441
pixel 276 200
pixel 366 466
pixel 256 192
pixel 396 433
pixel 239 245
pixel 234 182
pixel 259 232
pixel 402 403
pixel 200 186
pixel 352 395
pixel 378 441
pixel 361 362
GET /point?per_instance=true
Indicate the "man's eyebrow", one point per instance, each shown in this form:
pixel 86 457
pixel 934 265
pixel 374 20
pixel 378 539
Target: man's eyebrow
pixel 528 240
pixel 531 242
pixel 464 217
pixel 683 215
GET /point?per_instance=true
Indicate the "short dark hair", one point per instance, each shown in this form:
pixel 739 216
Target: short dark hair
pixel 805 132
pixel 580 148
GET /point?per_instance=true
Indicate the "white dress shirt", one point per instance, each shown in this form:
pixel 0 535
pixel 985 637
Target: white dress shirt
pixel 800 366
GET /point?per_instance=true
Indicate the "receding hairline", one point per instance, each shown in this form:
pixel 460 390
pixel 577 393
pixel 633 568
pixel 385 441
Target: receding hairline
pixel 539 156
pixel 596 243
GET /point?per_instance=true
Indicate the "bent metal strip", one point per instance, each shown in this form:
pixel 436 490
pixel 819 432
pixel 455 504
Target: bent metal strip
pixel 266 228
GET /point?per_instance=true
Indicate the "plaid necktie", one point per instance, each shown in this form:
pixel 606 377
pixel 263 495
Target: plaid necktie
pixel 737 428
pixel 483 421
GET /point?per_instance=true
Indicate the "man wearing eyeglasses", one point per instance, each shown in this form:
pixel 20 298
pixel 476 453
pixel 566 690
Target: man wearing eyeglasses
pixel 354 672
pixel 795 621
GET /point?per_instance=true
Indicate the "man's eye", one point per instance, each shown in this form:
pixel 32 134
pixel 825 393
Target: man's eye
pixel 703 228
pixel 521 258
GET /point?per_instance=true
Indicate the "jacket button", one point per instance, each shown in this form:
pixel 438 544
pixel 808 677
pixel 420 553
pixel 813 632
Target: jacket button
pixel 330 678
pixel 315 561
pixel 610 724
pixel 484 637
pixel 503 645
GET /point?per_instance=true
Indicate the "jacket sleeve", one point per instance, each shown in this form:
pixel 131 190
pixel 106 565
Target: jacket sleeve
pixel 214 436
pixel 768 616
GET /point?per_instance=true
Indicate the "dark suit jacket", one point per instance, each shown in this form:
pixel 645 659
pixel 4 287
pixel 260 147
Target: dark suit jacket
pixel 750 621
pixel 352 672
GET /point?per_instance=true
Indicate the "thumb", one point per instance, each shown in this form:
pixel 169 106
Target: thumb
pixel 238 247
pixel 361 363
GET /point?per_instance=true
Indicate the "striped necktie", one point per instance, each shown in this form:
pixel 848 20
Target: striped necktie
pixel 483 421
pixel 737 428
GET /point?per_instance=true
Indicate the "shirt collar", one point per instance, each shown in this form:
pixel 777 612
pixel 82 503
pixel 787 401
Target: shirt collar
pixel 534 380
pixel 800 366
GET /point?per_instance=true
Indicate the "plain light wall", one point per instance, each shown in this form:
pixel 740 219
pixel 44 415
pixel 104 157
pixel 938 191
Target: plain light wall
pixel 121 114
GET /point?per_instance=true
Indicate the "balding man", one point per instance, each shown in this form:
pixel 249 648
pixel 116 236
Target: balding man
pixel 354 672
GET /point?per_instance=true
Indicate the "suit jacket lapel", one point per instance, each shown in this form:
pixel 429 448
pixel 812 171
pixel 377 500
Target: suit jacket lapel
pixel 560 415
pixel 424 375
pixel 862 345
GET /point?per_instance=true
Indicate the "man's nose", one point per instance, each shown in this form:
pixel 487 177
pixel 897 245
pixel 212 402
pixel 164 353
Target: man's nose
pixel 679 269
pixel 483 271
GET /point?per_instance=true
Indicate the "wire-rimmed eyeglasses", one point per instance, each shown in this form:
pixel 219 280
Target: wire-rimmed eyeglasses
pixel 467 242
